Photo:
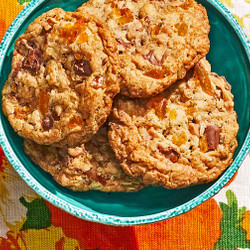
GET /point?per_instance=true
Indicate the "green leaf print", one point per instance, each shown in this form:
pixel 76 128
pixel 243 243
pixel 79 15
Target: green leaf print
pixel 232 235
pixel 23 1
pixel 38 214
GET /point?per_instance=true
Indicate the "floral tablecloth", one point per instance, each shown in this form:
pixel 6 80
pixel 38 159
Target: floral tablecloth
pixel 29 222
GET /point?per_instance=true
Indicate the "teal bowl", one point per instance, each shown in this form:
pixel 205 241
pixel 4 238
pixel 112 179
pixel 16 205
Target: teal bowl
pixel 229 56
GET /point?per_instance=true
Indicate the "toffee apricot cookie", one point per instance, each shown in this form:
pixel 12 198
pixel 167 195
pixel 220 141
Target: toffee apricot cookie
pixel 92 166
pixel 158 41
pixel 63 79
pixel 184 136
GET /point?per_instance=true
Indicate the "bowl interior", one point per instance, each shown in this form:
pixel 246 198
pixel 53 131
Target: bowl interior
pixel 227 57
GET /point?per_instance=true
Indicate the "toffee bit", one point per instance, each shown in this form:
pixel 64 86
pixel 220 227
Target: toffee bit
pixel 213 136
pixel 123 43
pixel 170 154
pixel 33 61
pixel 47 122
pixel 104 61
pixel 82 68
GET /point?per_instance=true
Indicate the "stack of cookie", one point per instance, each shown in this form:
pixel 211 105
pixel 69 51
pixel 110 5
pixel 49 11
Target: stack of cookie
pixel 118 96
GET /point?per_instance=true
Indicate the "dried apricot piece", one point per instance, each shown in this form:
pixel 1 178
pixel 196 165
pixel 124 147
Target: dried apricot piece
pixel 180 139
pixel 44 101
pixel 70 32
pixel 155 73
pixel 186 5
pixel 190 110
pixel 159 105
pixel 74 122
pixel 126 16
pixel 182 29
pixel 21 113
pixel 204 79
pixel 203 144
pixel 83 38
pixel 156 29
pixel 116 11
pixel 172 114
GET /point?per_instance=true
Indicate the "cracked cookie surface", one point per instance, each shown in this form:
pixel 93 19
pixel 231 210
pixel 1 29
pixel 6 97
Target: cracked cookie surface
pixel 63 79
pixel 158 41
pixel 92 166
pixel 184 136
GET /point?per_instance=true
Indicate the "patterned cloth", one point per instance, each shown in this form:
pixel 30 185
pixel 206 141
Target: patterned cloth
pixel 29 222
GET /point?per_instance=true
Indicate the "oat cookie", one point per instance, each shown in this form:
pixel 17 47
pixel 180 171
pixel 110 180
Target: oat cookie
pixel 92 166
pixel 184 136
pixel 158 41
pixel 63 79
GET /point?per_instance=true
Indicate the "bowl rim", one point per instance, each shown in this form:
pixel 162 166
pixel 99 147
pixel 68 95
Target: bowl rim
pixel 112 219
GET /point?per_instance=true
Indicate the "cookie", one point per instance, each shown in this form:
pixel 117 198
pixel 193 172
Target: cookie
pixel 92 166
pixel 158 41
pixel 184 136
pixel 63 79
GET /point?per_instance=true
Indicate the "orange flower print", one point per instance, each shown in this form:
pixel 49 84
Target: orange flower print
pixel 2 28
pixel 195 230
pixel 246 223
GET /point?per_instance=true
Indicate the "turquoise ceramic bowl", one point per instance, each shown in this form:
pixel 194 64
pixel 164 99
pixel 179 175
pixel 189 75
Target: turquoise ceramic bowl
pixel 229 56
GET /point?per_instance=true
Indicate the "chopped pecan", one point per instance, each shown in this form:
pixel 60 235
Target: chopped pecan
pixel 16 71
pixel 93 175
pixel 151 58
pixel 63 156
pixel 104 61
pixel 56 112
pixel 123 43
pixel 75 152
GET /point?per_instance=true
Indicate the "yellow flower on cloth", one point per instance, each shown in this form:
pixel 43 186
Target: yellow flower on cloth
pixel 240 10
pixel 35 231
pixel 12 187
pixel 246 223
pixel 49 238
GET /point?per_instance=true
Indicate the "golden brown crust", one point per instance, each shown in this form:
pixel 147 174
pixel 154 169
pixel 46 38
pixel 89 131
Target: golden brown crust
pixel 59 91
pixel 158 41
pixel 92 166
pixel 184 136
